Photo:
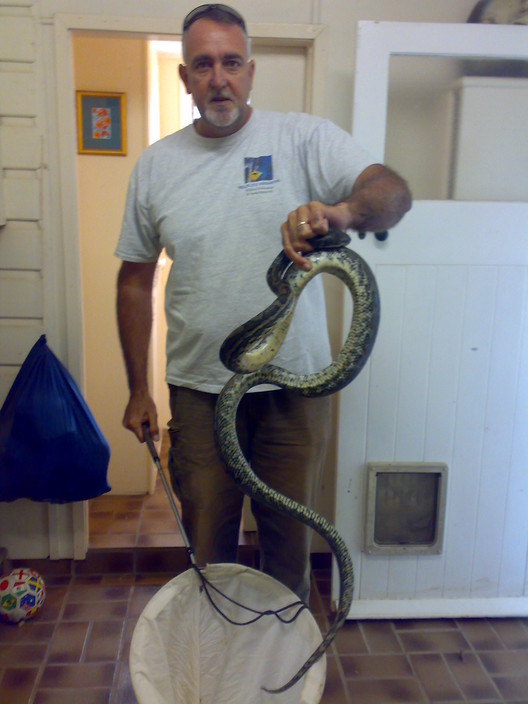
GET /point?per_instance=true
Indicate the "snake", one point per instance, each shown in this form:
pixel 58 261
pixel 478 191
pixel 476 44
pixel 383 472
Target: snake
pixel 248 352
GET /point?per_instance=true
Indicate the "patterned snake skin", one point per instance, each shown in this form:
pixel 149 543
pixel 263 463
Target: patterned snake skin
pixel 248 350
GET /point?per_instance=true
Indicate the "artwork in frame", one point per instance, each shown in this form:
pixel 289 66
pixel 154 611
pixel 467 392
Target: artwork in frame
pixel 101 123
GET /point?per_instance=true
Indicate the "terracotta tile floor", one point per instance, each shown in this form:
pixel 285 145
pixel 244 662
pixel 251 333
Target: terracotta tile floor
pixel 76 650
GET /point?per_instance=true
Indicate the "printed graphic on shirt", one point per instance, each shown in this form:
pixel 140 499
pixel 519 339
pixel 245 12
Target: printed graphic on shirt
pixel 258 168
pixel 258 174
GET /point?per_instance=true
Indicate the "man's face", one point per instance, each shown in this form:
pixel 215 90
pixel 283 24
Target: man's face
pixel 219 76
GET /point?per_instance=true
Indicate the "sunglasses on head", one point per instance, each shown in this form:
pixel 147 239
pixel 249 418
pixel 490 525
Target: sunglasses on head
pixel 204 10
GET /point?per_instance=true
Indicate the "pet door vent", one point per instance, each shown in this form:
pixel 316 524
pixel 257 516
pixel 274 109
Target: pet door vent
pixel 405 508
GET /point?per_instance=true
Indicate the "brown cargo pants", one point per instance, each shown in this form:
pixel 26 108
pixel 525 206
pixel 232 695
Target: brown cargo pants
pixel 284 437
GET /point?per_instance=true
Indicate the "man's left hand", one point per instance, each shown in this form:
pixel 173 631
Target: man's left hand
pixel 305 222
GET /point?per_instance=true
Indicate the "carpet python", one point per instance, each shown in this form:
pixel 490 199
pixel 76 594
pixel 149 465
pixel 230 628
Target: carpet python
pixel 248 350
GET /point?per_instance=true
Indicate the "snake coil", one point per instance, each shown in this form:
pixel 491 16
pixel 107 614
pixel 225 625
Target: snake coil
pixel 247 351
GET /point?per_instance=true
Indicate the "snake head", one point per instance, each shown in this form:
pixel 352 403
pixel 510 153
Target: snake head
pixel 331 240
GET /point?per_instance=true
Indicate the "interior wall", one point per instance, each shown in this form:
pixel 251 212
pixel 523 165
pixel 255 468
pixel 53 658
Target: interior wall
pixel 167 96
pixel 118 65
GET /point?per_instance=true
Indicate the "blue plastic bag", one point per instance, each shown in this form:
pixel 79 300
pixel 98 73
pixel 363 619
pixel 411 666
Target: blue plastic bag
pixel 51 448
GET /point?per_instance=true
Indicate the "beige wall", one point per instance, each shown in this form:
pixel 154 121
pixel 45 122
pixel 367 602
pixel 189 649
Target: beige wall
pixel 117 65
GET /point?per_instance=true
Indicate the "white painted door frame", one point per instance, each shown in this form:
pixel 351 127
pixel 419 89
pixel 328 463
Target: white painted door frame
pixel 68 525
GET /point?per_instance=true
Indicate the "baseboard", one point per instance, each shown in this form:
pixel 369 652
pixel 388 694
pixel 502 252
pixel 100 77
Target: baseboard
pixel 496 607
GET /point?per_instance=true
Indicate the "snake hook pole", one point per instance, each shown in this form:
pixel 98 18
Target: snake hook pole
pixel 154 454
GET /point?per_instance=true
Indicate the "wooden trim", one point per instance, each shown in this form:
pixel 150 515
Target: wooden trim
pixel 66 262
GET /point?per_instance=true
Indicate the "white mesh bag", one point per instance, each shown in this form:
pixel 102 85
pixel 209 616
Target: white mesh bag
pixel 184 652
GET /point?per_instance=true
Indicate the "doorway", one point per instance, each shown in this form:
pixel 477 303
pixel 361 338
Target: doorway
pixel 141 69
pixel 298 85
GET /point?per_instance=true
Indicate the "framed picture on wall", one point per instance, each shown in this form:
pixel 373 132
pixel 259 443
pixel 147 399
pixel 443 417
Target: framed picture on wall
pixel 101 123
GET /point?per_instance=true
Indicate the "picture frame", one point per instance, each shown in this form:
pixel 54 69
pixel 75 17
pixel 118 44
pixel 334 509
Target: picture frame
pixel 101 123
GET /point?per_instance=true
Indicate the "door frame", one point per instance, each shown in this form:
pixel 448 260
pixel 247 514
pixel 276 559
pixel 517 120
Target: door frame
pixel 69 532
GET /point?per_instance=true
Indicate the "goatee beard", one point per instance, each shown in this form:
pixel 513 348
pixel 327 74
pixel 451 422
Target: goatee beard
pixel 221 118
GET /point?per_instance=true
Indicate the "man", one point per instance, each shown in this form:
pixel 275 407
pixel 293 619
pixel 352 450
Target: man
pixel 215 196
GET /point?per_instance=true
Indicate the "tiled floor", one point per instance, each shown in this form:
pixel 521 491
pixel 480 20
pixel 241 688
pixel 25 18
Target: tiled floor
pixel 76 650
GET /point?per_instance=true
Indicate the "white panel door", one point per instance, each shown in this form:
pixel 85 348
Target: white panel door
pixel 448 377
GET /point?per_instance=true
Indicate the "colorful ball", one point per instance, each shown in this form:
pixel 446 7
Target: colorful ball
pixel 22 593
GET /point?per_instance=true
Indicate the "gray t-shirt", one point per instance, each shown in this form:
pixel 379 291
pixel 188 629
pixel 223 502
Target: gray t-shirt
pixel 216 206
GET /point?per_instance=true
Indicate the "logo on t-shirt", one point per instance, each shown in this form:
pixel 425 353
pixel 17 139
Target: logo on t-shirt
pixel 258 174
pixel 259 168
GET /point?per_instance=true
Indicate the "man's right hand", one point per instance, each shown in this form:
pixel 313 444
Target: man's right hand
pixel 141 409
